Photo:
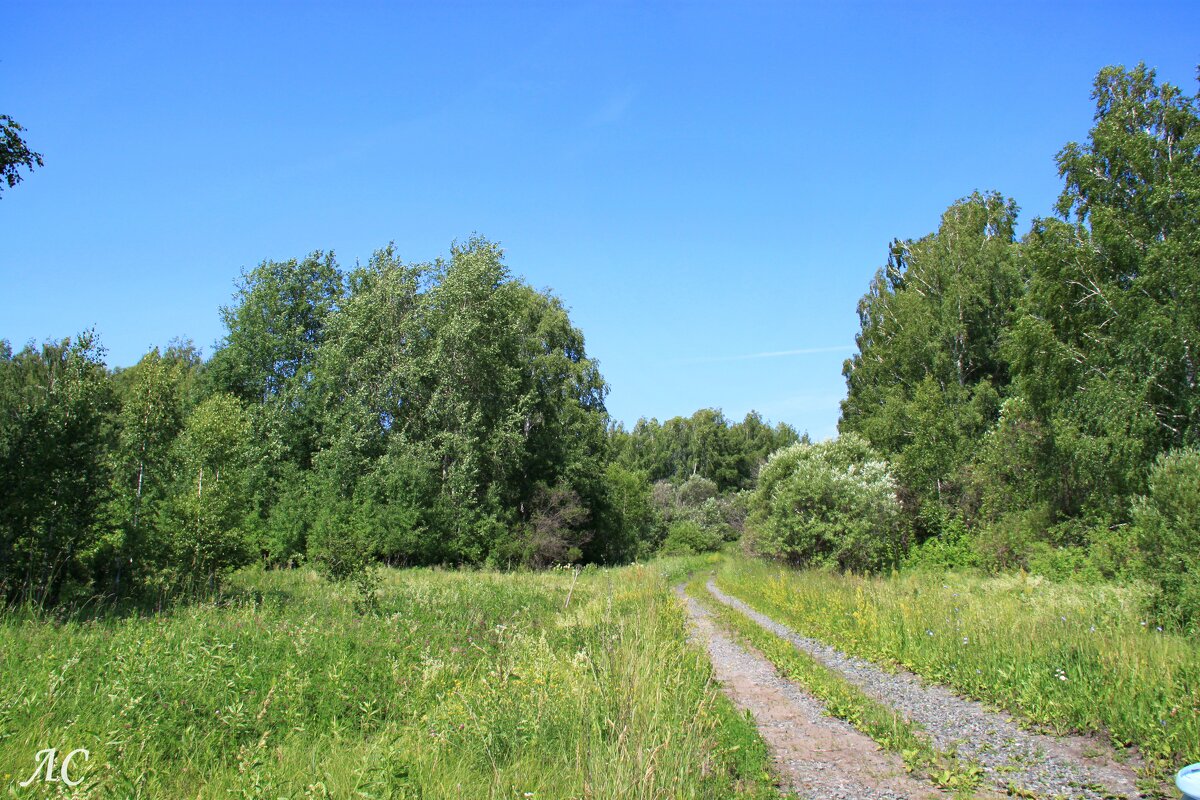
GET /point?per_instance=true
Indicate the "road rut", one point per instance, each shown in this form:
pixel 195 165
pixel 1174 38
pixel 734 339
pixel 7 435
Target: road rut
pixel 1066 767
pixel 815 755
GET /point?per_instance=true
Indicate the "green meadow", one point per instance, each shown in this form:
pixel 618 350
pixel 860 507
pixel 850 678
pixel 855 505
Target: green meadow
pixel 453 684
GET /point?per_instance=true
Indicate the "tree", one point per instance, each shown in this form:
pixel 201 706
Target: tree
pixel 705 444
pixel 479 385
pixel 1167 521
pixel 55 426
pixel 154 403
pixel 274 331
pixel 205 514
pixel 927 379
pixel 1106 344
pixel 630 525
pixel 14 153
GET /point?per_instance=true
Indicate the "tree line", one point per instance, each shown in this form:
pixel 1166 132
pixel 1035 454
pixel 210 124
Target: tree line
pixel 403 413
pixel 1033 398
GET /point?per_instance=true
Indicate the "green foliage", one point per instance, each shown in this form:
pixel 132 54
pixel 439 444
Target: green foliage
pixel 832 503
pixel 55 434
pixel 697 517
pixel 14 153
pixel 1024 389
pixel 1105 345
pixel 685 537
pixel 705 445
pixel 479 391
pixel 204 518
pixel 924 385
pixel 953 548
pixel 275 328
pixel 154 401
pixel 1167 522
pixel 632 525
pixel 1005 543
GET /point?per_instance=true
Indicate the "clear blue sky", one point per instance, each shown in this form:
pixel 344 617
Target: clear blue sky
pixel 701 183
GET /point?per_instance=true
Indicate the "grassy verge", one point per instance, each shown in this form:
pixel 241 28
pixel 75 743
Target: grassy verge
pixel 844 700
pixel 467 684
pixel 1072 658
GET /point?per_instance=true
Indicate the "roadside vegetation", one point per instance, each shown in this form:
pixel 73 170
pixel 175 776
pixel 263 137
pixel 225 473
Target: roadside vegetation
pixel 1035 396
pixel 844 700
pixel 1068 657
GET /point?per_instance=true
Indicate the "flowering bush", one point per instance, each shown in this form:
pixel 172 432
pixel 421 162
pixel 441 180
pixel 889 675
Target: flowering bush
pixel 828 504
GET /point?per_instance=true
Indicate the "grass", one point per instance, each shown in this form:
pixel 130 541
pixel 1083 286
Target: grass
pixel 1067 657
pixel 460 684
pixel 888 728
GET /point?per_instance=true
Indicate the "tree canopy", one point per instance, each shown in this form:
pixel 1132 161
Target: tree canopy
pixel 1024 387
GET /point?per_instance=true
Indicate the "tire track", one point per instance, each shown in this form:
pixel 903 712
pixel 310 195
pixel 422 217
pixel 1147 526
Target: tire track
pixel 815 755
pixel 1069 767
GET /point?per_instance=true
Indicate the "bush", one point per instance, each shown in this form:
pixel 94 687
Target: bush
pixel 697 502
pixel 951 549
pixel 685 538
pixel 556 527
pixel 630 525
pixel 832 504
pixel 697 489
pixel 1167 522
pixel 1006 544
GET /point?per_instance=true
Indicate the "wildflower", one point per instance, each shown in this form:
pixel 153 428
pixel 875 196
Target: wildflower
pixel 1093 629
pixel 966 640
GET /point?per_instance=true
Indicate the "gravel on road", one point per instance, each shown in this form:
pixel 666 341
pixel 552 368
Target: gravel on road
pixel 815 755
pixel 1067 767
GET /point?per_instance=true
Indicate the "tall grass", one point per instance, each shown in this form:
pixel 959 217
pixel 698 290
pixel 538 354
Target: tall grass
pixel 1070 657
pixel 467 684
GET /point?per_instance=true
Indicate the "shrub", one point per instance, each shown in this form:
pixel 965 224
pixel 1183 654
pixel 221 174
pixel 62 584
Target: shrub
pixel 1167 521
pixel 951 549
pixel 685 538
pixel 1006 543
pixel 832 503
pixel 556 527
pixel 696 490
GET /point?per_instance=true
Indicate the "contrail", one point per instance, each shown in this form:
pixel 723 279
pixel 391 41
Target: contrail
pixel 805 351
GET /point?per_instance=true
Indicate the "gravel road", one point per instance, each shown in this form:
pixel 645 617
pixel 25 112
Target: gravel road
pixel 1067 767
pixel 816 756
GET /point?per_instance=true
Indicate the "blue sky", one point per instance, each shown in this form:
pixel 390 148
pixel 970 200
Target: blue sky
pixel 709 187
